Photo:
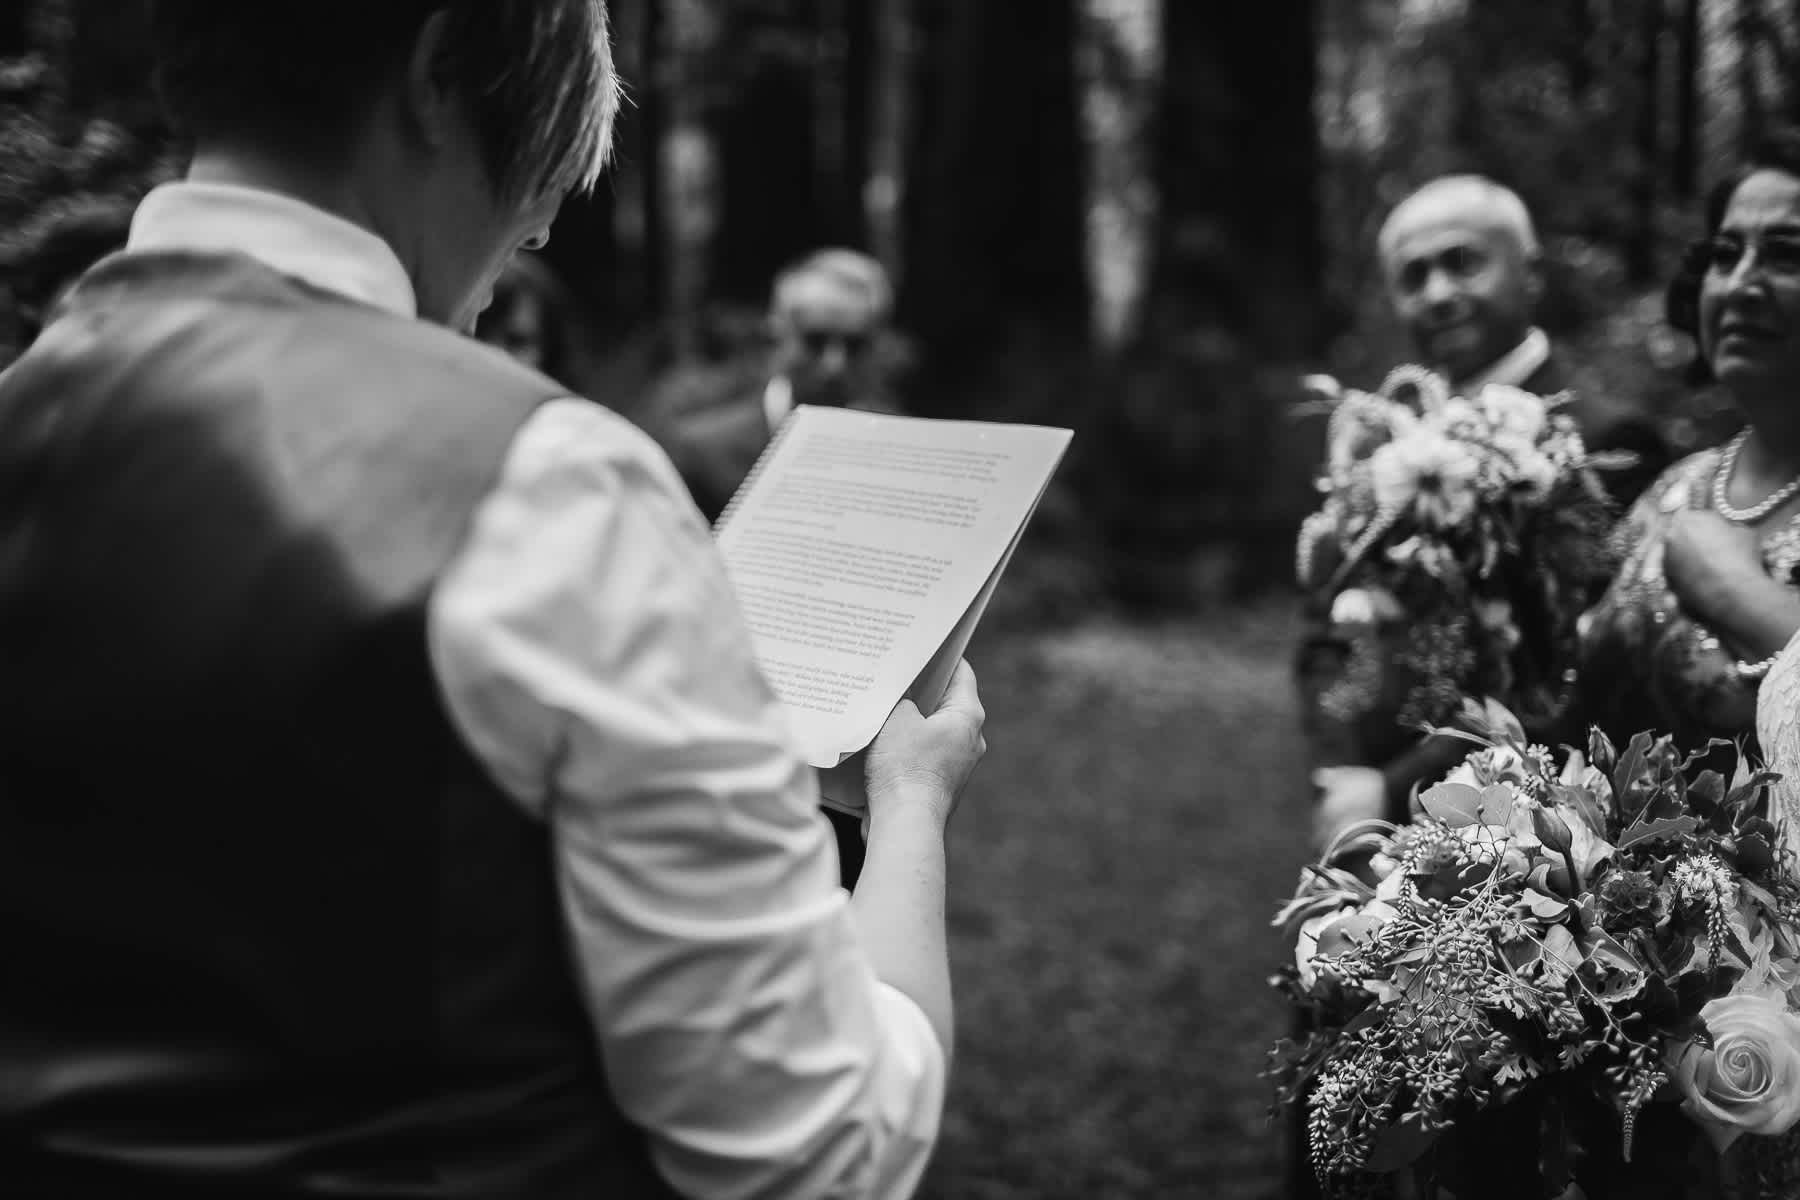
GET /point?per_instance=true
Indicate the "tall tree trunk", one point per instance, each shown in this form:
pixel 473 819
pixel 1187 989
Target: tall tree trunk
pixel 633 289
pixel 1580 64
pixel 890 125
pixel 1750 100
pixel 1119 66
pixel 687 157
pixel 1640 250
pixel 1685 175
pixel 830 109
pixel 15 28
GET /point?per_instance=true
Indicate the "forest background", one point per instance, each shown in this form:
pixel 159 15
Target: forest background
pixel 1147 220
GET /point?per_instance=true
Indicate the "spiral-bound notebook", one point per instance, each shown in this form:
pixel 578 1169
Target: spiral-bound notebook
pixel 864 548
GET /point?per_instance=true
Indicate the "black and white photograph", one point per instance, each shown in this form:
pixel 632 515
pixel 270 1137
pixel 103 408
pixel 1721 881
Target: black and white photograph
pixel 870 599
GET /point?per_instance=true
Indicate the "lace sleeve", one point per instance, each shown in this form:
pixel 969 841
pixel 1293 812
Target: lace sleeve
pixel 1778 732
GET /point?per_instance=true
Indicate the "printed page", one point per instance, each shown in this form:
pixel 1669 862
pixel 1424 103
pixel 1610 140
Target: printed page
pixel 862 544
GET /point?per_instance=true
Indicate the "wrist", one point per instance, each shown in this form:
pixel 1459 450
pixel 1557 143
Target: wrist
pixel 921 809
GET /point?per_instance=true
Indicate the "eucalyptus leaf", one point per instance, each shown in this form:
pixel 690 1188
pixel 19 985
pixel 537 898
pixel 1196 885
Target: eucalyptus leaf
pixel 1455 804
pixel 1545 907
pixel 1496 806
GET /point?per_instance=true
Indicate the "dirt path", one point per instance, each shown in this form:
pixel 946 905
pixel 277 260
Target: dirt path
pixel 1137 821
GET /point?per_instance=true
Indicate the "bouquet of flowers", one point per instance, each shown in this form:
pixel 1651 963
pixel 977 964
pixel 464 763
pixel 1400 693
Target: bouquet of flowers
pixel 1616 929
pixel 1478 519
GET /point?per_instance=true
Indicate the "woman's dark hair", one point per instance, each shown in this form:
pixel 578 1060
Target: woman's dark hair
pixel 538 75
pixel 1777 151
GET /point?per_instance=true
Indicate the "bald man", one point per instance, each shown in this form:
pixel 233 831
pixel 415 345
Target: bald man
pixel 1464 272
pixel 825 313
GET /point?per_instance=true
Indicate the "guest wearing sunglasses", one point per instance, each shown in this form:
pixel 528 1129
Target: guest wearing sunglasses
pixel 827 315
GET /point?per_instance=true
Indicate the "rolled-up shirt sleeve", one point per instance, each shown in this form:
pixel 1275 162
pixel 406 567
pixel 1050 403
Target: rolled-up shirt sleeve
pixel 590 652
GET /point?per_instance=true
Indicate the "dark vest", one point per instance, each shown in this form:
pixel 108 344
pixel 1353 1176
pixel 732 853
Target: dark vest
pixel 266 927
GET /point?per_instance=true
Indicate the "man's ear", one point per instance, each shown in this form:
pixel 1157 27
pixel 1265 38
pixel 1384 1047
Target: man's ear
pixel 1535 278
pixel 428 89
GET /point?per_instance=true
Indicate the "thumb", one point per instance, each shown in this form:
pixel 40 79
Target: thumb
pixel 961 695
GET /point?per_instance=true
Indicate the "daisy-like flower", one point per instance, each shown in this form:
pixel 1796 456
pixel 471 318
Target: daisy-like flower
pixel 1432 474
pixel 1523 465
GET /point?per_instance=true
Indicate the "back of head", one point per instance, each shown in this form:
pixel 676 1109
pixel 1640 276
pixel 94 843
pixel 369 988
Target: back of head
pixel 537 74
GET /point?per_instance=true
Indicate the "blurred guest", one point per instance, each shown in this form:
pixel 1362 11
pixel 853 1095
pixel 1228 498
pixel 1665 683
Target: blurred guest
pixel 1464 274
pixel 827 313
pixel 390 800
pixel 530 318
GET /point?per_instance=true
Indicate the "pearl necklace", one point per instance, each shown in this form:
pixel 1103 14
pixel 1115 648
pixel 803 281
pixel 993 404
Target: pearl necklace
pixel 1757 511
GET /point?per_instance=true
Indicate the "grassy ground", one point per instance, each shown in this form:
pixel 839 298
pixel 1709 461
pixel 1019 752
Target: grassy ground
pixel 1138 818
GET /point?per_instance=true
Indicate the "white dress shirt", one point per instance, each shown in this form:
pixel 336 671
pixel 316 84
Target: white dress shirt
pixel 590 652
pixel 778 401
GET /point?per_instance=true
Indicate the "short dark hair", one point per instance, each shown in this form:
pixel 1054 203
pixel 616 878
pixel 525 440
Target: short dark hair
pixel 1779 150
pixel 538 75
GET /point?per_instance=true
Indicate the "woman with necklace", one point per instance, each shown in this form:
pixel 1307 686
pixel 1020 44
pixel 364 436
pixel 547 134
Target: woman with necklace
pixel 1705 595
pixel 1708 588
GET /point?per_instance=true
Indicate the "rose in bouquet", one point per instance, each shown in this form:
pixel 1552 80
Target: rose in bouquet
pixel 1615 929
pixel 1478 519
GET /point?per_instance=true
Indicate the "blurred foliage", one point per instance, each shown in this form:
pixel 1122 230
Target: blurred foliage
pixel 1606 117
pixel 1280 136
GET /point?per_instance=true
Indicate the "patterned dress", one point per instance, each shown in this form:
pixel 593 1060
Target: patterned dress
pixel 1646 665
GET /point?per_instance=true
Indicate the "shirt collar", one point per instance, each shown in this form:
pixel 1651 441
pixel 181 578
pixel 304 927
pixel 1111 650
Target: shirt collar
pixel 778 401
pixel 1515 366
pixel 285 233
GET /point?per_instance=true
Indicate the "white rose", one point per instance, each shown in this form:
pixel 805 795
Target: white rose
pixel 1748 1081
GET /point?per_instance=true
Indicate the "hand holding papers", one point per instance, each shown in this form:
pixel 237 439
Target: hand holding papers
pixel 864 549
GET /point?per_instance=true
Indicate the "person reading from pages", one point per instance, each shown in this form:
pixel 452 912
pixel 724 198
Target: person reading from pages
pixel 390 803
